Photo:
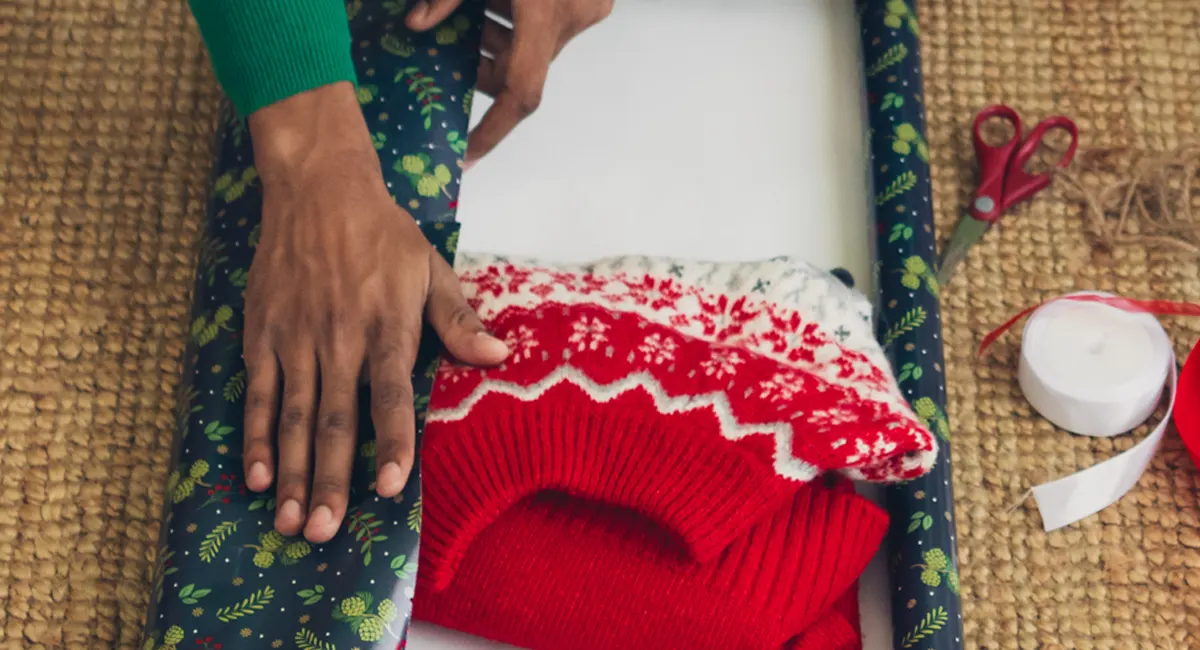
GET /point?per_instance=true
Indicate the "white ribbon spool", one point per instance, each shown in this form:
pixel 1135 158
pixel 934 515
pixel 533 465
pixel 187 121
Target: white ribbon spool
pixel 1095 370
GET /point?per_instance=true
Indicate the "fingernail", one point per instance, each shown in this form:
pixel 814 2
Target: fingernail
pixel 467 165
pixel 390 481
pixel 259 477
pixel 492 345
pixel 289 516
pixel 321 518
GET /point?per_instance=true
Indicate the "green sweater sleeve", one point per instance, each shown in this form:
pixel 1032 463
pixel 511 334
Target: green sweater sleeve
pixel 264 51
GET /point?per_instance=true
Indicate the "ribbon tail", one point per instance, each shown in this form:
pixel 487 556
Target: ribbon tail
pixel 1082 494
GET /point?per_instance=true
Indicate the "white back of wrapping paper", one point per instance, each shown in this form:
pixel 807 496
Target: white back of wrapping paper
pixel 692 128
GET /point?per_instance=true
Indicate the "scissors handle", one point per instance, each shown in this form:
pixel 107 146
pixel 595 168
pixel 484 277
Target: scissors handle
pixel 993 162
pixel 1003 179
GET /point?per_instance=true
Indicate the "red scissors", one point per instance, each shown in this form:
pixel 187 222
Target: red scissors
pixel 1003 181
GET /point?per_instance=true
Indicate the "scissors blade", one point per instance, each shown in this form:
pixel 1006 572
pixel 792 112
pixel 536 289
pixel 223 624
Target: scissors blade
pixel 968 231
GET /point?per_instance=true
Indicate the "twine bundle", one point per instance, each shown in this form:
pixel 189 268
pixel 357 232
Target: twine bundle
pixel 1154 202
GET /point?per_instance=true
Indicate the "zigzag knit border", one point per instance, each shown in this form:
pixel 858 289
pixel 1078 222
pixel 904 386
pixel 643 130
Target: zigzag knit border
pixel 785 464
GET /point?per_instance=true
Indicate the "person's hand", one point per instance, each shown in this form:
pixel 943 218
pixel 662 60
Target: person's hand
pixel 516 62
pixel 341 280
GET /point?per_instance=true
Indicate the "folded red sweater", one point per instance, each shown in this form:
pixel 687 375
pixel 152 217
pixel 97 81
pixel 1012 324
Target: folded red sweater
pixel 559 572
pixel 639 473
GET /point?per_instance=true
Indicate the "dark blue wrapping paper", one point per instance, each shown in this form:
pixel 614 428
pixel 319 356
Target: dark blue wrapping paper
pixel 223 580
pixel 922 549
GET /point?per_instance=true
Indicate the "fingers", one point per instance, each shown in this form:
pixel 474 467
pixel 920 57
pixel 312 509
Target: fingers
pixel 335 437
pixel 295 437
pixel 456 323
pixel 518 90
pixel 500 120
pixel 428 13
pixel 490 80
pixel 262 405
pixel 391 361
pixel 496 38
pixel 496 45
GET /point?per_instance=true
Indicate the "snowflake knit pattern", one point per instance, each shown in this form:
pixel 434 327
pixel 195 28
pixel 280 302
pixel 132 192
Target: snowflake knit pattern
pixel 701 395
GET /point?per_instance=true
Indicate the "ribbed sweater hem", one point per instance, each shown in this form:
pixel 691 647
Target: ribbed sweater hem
pixel 674 469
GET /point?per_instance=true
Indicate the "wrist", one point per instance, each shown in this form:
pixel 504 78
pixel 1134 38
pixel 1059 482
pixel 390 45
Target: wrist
pixel 318 126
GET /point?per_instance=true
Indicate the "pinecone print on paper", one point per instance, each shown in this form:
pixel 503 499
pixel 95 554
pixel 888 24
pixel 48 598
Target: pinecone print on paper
pixel 933 416
pixel 937 568
pixel 428 179
pixel 371 629
pixel 296 551
pixel 173 636
pixel 387 610
pixel 916 272
pixel 199 469
pixel 898 14
pixel 273 546
pixel 353 606
pixel 181 484
pixel 272 541
pixel 356 612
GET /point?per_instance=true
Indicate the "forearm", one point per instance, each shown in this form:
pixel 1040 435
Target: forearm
pixel 264 51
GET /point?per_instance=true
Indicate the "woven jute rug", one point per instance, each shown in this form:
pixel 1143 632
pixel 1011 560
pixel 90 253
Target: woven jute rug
pixel 107 112
pixel 1128 72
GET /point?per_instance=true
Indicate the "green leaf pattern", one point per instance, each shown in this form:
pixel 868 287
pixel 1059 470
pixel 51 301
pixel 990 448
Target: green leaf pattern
pixel 312 596
pixel 308 640
pixel 933 622
pixel 903 183
pixel 252 604
pixel 908 323
pixel 211 546
pixel 892 57
pixel 426 91
pixel 403 568
pixel 365 528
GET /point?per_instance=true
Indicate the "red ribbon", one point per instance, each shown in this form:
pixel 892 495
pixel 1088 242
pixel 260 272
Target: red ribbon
pixel 1155 307
pixel 1187 405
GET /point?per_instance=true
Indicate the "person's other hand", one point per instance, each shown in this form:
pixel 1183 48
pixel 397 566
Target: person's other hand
pixel 516 61
pixel 340 283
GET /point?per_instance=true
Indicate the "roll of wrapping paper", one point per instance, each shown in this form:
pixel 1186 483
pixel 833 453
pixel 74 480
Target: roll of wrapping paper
pixel 923 566
pixel 222 578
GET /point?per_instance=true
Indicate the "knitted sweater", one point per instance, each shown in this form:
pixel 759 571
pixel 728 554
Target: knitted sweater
pixel 263 51
pixel 656 435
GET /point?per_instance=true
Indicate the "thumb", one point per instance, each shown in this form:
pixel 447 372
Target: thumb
pixel 427 14
pixel 456 323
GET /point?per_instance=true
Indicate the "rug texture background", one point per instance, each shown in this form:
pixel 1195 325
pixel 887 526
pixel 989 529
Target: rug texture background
pixel 107 110
pixel 1128 72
